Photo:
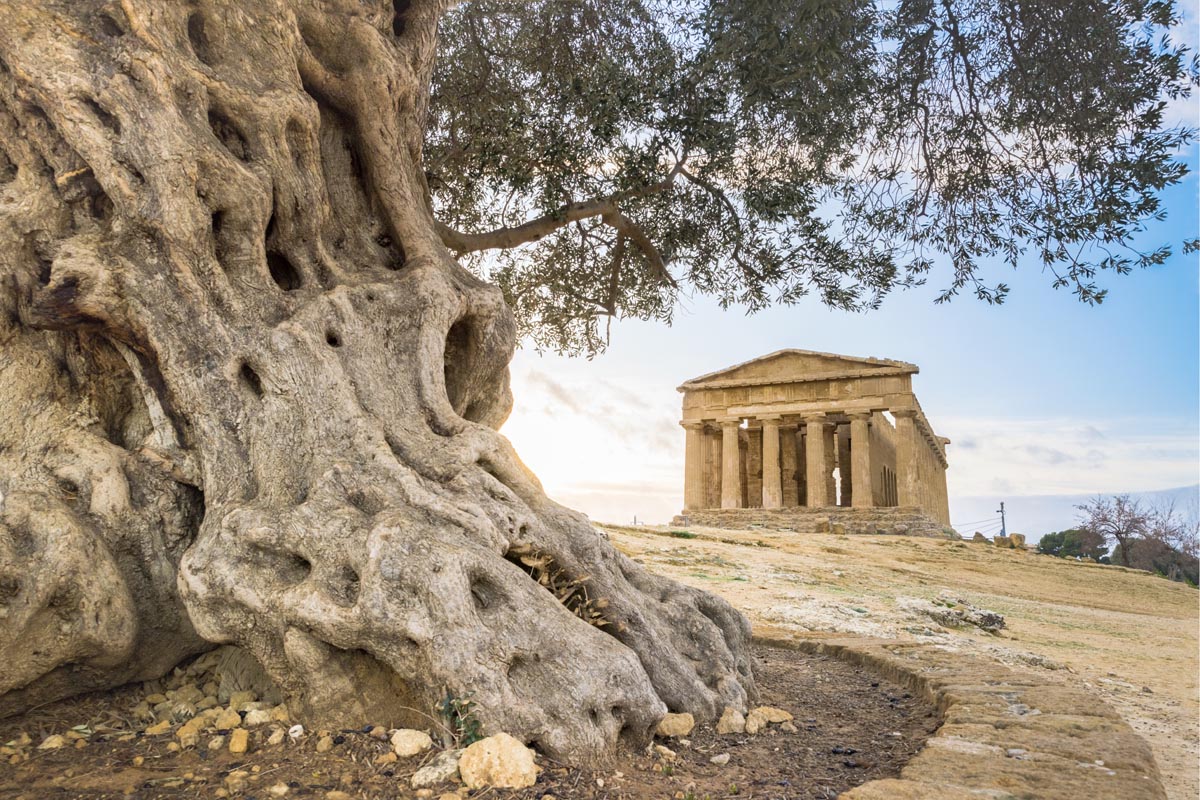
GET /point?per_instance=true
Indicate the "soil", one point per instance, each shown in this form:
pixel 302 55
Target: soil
pixel 851 726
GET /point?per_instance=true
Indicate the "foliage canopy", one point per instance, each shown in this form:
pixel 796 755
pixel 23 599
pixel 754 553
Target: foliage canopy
pixel 760 151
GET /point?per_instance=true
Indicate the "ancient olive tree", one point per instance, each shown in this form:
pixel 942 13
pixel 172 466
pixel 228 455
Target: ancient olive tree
pixel 252 368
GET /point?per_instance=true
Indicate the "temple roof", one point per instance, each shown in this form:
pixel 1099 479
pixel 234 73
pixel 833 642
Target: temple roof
pixel 791 366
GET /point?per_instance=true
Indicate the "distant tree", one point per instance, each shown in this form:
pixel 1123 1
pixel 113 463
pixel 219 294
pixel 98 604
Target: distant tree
pixel 1157 540
pixel 1073 543
pixel 1119 518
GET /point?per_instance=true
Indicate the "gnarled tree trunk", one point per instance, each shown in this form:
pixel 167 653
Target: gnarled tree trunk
pixel 250 397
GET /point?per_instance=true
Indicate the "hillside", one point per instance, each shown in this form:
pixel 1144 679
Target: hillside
pixel 1130 637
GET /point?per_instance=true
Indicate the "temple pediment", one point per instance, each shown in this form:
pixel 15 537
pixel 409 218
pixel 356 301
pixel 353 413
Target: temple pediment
pixel 799 365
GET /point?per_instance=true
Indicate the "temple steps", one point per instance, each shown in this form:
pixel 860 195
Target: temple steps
pixel 895 521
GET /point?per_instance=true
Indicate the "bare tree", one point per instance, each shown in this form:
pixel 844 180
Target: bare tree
pixel 1118 518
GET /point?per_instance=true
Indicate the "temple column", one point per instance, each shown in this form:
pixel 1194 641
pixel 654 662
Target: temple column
pixel 860 456
pixel 831 459
pixel 731 464
pixel 712 467
pixel 788 451
pixel 846 490
pixel 816 460
pixel 772 480
pixel 693 466
pixel 908 475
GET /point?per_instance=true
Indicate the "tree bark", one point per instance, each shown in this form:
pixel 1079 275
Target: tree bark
pixel 251 398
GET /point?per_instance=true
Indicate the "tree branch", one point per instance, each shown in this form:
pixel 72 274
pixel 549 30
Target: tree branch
pixel 535 229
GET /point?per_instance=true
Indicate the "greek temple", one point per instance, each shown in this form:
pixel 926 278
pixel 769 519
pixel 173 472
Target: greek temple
pixel 797 436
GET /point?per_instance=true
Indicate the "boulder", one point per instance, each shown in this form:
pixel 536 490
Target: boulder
pixel 498 761
pixel 1018 540
pixel 979 537
pixel 1002 541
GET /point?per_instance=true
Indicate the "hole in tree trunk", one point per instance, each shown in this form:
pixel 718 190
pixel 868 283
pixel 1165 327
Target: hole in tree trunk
pixel 106 119
pixel 249 378
pixel 344 587
pixel 332 339
pixel 399 9
pixel 109 26
pixel 456 364
pixel 228 134
pixel 199 38
pixel 8 170
pixel 286 276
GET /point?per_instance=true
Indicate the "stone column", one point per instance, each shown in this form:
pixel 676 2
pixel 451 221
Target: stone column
pixel 815 456
pixel 772 481
pixel 731 464
pixel 908 476
pixel 846 492
pixel 831 456
pixel 860 456
pixel 712 467
pixel 788 448
pixel 693 466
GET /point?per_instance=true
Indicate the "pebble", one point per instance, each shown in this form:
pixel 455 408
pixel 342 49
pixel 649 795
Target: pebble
pixel 216 743
pixel 159 729
pixel 295 732
pixel 387 758
pixel 228 719
pixel 665 752
pixel 407 742
pixel 379 732
pixel 239 740
pixel 280 713
pixel 54 742
pixel 276 737
pixel 325 744
pixel 278 790
pixel 256 717
pixel 675 725
pixel 720 760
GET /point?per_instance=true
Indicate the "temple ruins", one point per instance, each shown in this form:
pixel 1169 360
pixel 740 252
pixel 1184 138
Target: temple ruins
pixel 813 441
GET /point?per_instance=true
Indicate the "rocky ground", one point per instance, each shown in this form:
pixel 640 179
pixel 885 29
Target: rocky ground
pixel 1131 638
pixel 826 726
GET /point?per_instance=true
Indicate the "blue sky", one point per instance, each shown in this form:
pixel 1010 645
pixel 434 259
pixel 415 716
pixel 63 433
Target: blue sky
pixel 1042 396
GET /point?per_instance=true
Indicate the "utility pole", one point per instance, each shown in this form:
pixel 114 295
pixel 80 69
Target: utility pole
pixel 1003 527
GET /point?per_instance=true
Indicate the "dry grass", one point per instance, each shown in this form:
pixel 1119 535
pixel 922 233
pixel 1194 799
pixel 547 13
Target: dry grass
pixel 1130 637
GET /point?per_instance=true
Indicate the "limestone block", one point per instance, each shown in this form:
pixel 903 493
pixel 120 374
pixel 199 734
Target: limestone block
pixel 675 725
pixel 407 742
pixel 1003 541
pixel 979 537
pixel 731 721
pixel 498 761
pixel 1018 540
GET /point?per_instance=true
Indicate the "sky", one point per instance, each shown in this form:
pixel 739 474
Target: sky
pixel 1045 399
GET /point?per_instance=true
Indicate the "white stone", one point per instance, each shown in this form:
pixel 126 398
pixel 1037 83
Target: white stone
pixel 443 768
pixel 407 742
pixel 498 761
pixel 720 760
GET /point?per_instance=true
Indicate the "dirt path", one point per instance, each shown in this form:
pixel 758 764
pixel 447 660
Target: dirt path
pixel 1130 637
